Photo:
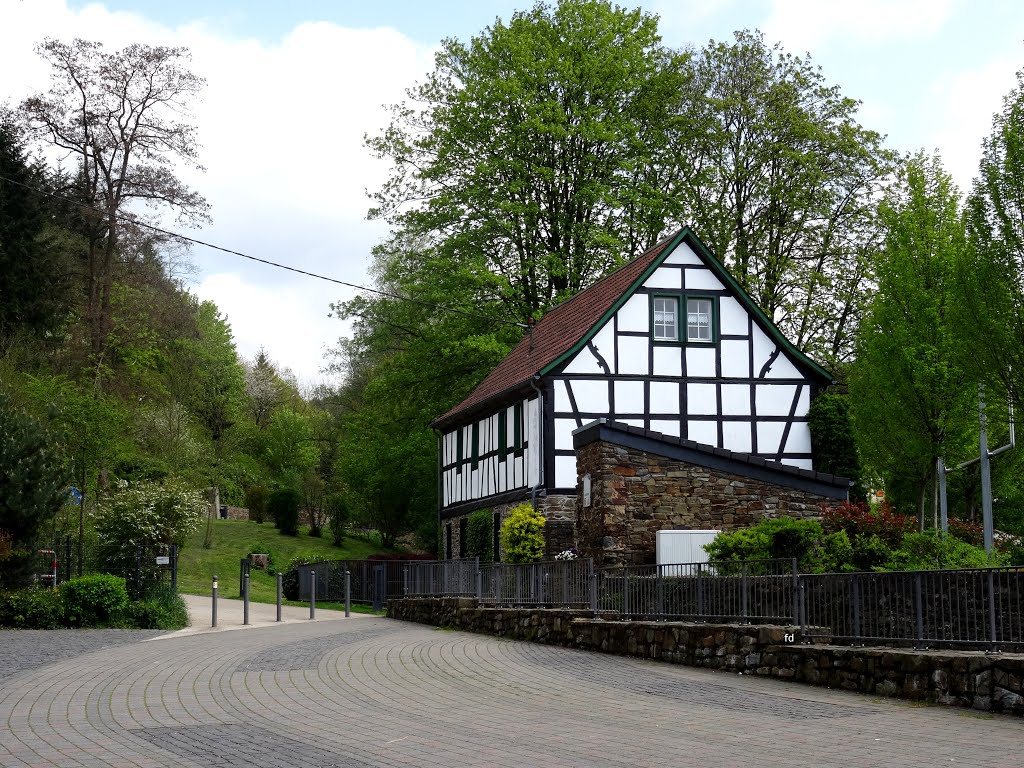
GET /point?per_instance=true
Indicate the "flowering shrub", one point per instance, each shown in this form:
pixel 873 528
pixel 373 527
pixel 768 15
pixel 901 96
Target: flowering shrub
pixel 967 531
pixel 567 554
pixel 145 514
pixel 860 520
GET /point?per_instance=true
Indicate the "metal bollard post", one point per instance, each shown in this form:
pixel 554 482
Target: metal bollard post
pixel 348 594
pixel 312 594
pixel 245 600
pixel 214 601
pixel 280 590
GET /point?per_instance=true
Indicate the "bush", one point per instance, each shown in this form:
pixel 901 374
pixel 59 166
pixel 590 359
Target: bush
pixel 31 608
pixel 522 535
pixel 17 568
pixel 283 506
pixel 870 552
pixel 836 553
pixel 776 538
pixel 479 536
pixel 967 531
pixel 163 608
pixel 93 600
pixel 860 519
pixel 256 497
pixel 927 551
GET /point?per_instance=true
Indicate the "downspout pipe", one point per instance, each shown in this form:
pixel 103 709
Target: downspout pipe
pixel 537 486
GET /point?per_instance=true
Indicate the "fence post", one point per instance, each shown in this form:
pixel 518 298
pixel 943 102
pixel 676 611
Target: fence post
pixel 625 593
pixel 312 594
pixel 593 589
pixel 280 591
pixel 802 607
pixel 405 580
pixel 245 600
pixel 479 584
pixel 796 591
pixel 348 593
pixel 214 624
pixel 991 610
pixel 174 567
pixel 700 590
pixel 744 597
pixel 919 609
pixel 855 600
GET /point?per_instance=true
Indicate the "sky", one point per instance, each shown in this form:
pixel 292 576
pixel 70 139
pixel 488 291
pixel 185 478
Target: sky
pixel 293 87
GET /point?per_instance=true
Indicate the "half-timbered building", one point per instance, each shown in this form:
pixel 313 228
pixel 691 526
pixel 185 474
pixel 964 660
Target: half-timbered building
pixel 669 343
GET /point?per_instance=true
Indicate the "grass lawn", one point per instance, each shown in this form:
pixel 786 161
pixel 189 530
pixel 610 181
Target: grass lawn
pixel 234 539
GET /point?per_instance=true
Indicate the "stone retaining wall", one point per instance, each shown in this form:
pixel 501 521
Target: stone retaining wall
pixel 959 678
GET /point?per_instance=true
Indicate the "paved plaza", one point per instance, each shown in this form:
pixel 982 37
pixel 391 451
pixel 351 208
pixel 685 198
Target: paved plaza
pixel 369 691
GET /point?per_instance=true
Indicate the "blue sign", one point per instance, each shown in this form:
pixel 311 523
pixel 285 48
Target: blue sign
pixel 75 495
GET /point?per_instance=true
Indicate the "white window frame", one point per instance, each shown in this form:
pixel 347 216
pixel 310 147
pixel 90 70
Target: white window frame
pixel 664 324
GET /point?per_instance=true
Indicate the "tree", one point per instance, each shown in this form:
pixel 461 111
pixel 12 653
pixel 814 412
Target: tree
pixel 832 437
pixel 534 156
pixel 34 481
pixel 117 114
pixel 780 181
pixel 34 280
pixel 911 395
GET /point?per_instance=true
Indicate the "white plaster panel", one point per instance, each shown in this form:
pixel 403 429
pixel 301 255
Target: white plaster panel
pixel 799 463
pixel 668 278
pixel 533 455
pixel 701 399
pixel 632 422
pixel 799 440
pixel 774 400
pixel 664 397
pixel 735 359
pixel 585 362
pixel 666 426
pixel 591 396
pixel 702 280
pixel 668 360
pixel 763 348
pixel 736 399
pixel 562 404
pixel 633 355
pixel 563 433
pixel 629 396
pixel 700 361
pixel 565 471
pixel 783 368
pixel 705 432
pixel 732 317
pixel 517 474
pixel 634 314
pixel 769 435
pixel 804 403
pixel 683 254
pixel 736 436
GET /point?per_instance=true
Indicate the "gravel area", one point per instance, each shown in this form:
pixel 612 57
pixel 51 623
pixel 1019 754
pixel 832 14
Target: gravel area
pixel 22 649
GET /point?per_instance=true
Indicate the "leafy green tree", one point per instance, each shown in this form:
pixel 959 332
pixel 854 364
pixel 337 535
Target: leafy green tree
pixel 910 394
pixel 833 442
pixel 479 532
pixel 34 481
pixel 780 180
pixel 283 506
pixel 289 446
pixel 338 516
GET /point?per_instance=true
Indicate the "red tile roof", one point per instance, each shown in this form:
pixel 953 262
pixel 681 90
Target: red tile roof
pixel 556 333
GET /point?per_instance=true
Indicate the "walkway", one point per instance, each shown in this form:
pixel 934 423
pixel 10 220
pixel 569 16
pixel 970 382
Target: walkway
pixel 369 691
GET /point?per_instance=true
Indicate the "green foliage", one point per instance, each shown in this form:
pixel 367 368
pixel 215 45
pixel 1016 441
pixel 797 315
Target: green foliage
pixel 930 550
pixel 774 538
pixel 33 479
pixel 338 516
pixel 93 600
pixel 17 567
pixel 522 535
pixel 31 608
pixel 836 553
pixel 162 608
pixel 256 498
pixel 833 446
pixel 283 506
pixel 479 534
pixel 145 514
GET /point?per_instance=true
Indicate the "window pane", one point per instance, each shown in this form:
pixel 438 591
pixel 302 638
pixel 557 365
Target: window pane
pixel 665 320
pixel 698 320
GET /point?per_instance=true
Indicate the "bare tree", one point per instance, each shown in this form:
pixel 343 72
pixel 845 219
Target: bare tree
pixel 119 117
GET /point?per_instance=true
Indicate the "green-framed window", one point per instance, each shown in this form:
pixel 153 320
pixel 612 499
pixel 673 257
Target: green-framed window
pixel 701 320
pixel 665 318
pixel 517 428
pixel 476 444
pixel 458 450
pixel 502 433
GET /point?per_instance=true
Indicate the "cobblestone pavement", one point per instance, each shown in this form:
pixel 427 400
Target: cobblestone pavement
pixel 376 692
pixel 27 648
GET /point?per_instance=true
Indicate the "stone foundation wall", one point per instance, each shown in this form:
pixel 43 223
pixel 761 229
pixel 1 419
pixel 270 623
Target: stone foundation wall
pixel 958 678
pixel 559 528
pixel 635 494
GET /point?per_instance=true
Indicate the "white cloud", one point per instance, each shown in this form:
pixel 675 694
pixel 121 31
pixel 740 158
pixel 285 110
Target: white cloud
pixel 804 25
pixel 281 126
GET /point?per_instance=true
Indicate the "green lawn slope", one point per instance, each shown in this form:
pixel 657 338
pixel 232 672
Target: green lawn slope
pixel 234 539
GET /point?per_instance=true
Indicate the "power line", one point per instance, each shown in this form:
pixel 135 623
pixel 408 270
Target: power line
pixel 153 227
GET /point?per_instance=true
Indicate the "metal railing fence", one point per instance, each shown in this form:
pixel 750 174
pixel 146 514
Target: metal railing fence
pixel 558 583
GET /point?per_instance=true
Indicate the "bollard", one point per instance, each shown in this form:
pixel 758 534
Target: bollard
pixel 312 594
pixel 245 600
pixel 348 594
pixel 279 591
pixel 214 601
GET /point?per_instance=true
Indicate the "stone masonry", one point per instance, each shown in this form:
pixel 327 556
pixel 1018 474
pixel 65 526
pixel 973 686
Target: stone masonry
pixel 636 493
pixel 559 528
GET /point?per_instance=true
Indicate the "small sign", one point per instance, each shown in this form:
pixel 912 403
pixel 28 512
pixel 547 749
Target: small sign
pixel 75 496
pixel 163 560
pixel 586 490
